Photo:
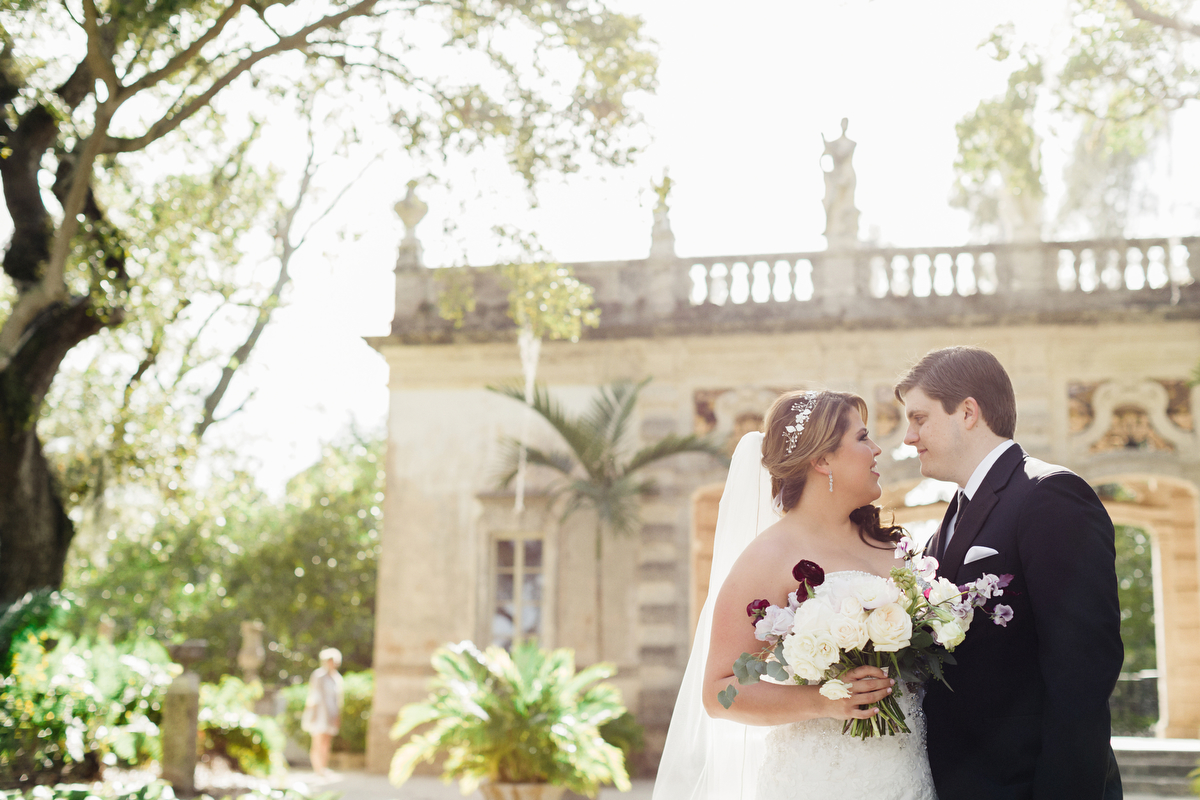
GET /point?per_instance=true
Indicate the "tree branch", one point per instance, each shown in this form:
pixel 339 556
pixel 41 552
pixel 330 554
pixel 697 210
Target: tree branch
pixel 1174 23
pixel 295 41
pixel 180 60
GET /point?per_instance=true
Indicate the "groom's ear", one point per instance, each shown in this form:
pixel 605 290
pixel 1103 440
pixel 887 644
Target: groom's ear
pixel 971 415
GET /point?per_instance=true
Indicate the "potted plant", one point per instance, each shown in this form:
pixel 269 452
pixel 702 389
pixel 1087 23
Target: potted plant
pixel 521 727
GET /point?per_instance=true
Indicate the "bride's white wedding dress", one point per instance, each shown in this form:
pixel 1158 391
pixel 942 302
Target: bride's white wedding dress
pixel 710 759
pixel 814 760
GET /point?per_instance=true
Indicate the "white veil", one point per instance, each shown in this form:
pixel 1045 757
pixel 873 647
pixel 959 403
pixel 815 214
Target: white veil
pixel 706 758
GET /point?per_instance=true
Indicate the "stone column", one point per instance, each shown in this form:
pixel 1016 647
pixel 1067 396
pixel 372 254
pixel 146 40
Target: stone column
pixel 180 720
pixel 250 658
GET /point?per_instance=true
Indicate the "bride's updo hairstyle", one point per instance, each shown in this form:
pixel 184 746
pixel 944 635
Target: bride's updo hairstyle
pixel 828 420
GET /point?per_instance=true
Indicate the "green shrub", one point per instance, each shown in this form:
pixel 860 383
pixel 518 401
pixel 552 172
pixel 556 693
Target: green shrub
pixel 32 615
pixel 527 717
pixel 253 743
pixel 359 692
pixel 67 706
pixel 625 734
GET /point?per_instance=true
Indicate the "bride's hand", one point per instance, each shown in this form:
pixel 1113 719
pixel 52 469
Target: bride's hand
pixel 867 685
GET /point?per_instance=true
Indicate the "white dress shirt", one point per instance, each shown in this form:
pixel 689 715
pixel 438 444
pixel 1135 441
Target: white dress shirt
pixel 977 477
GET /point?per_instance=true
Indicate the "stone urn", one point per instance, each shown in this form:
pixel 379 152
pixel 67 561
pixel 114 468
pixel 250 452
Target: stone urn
pixel 521 791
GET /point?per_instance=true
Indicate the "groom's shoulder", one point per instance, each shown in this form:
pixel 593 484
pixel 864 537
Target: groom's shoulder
pixel 1037 474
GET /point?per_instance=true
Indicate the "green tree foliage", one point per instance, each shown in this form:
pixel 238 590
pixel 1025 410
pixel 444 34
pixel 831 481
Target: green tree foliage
pixel 99 96
pixel 1128 66
pixel 999 177
pixel 1136 591
pixel 304 565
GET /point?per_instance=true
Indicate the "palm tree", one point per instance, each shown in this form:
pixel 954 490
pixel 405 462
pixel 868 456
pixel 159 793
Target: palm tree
pixel 594 472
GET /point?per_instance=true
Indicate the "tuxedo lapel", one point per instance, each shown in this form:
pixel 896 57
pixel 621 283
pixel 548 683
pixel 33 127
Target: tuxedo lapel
pixel 970 522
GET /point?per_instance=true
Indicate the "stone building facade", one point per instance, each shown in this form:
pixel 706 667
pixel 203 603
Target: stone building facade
pixel 1100 339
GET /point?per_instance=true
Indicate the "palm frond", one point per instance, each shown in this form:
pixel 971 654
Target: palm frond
pixel 556 460
pixel 673 445
pixel 611 411
pixel 573 433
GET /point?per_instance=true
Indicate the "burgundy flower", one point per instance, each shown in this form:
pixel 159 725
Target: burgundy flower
pixel 757 610
pixel 801 593
pixel 808 572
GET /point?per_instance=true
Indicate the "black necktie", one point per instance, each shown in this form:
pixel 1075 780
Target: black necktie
pixel 961 501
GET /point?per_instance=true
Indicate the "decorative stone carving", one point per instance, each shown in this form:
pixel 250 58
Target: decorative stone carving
pixel 1079 406
pixel 732 413
pixel 1128 416
pixel 1179 403
pixel 841 217
pixel 411 211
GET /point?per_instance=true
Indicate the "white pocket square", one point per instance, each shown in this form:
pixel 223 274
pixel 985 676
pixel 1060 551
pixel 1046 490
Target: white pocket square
pixel 977 552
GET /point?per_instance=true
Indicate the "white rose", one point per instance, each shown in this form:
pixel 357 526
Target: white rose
pixel 941 591
pixel 849 632
pixel 948 634
pixel 835 689
pixel 874 592
pixel 890 628
pixel 798 651
pixel 814 614
pixel 851 607
pixel 776 622
pixel 825 650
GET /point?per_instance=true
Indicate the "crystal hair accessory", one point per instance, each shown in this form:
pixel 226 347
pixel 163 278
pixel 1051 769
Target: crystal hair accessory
pixel 803 408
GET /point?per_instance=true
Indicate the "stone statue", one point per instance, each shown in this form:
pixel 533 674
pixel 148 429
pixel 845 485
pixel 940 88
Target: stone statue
pixel 841 217
pixel 662 239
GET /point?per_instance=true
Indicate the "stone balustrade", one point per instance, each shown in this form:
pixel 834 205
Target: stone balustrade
pixel 860 288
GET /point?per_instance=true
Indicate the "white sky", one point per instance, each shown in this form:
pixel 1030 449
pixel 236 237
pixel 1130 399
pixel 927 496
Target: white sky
pixel 746 91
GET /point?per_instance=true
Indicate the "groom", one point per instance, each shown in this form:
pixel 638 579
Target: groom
pixel 1028 713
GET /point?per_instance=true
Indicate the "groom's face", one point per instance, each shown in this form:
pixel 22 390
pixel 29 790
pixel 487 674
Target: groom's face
pixel 936 435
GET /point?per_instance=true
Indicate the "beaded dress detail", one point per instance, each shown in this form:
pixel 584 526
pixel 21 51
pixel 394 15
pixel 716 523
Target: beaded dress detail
pixel 813 760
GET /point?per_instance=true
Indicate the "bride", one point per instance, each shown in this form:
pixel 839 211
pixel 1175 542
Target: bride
pixel 812 501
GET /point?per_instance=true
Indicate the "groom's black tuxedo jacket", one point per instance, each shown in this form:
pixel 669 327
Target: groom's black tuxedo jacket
pixel 1027 716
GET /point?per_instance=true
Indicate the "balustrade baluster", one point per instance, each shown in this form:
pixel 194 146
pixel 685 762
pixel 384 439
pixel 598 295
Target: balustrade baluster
pixel 699 277
pixel 1089 272
pixel 943 276
pixel 877 280
pixel 986 279
pixel 1067 273
pixel 760 283
pixel 1135 271
pixel 739 283
pixel 965 279
pixel 718 285
pixel 782 285
pixel 901 279
pixel 1156 266
pixel 804 279
pixel 922 282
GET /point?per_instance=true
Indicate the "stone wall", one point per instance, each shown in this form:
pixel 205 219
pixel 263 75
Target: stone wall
pixel 443 447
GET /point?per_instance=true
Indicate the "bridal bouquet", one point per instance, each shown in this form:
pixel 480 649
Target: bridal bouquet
pixel 910 622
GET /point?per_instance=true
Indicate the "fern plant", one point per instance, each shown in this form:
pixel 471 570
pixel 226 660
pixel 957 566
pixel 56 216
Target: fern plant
pixel 524 718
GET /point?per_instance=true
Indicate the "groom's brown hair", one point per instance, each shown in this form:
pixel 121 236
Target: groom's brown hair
pixel 953 374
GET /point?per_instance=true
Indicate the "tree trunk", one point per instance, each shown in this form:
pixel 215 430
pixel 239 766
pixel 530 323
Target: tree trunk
pixel 35 531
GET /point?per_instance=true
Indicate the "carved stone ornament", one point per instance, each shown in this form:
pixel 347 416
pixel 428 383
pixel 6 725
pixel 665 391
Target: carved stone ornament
pixel 732 413
pixel 1129 416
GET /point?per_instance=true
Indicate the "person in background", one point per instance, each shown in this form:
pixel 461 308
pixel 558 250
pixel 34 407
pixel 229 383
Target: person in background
pixel 322 716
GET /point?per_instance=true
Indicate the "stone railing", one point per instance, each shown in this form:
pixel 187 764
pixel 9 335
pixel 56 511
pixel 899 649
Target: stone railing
pixel 868 287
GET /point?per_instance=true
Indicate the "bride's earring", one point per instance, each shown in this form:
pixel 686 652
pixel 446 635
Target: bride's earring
pixel 831 481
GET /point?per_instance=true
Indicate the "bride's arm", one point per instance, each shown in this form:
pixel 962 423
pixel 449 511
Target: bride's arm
pixel 766 703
